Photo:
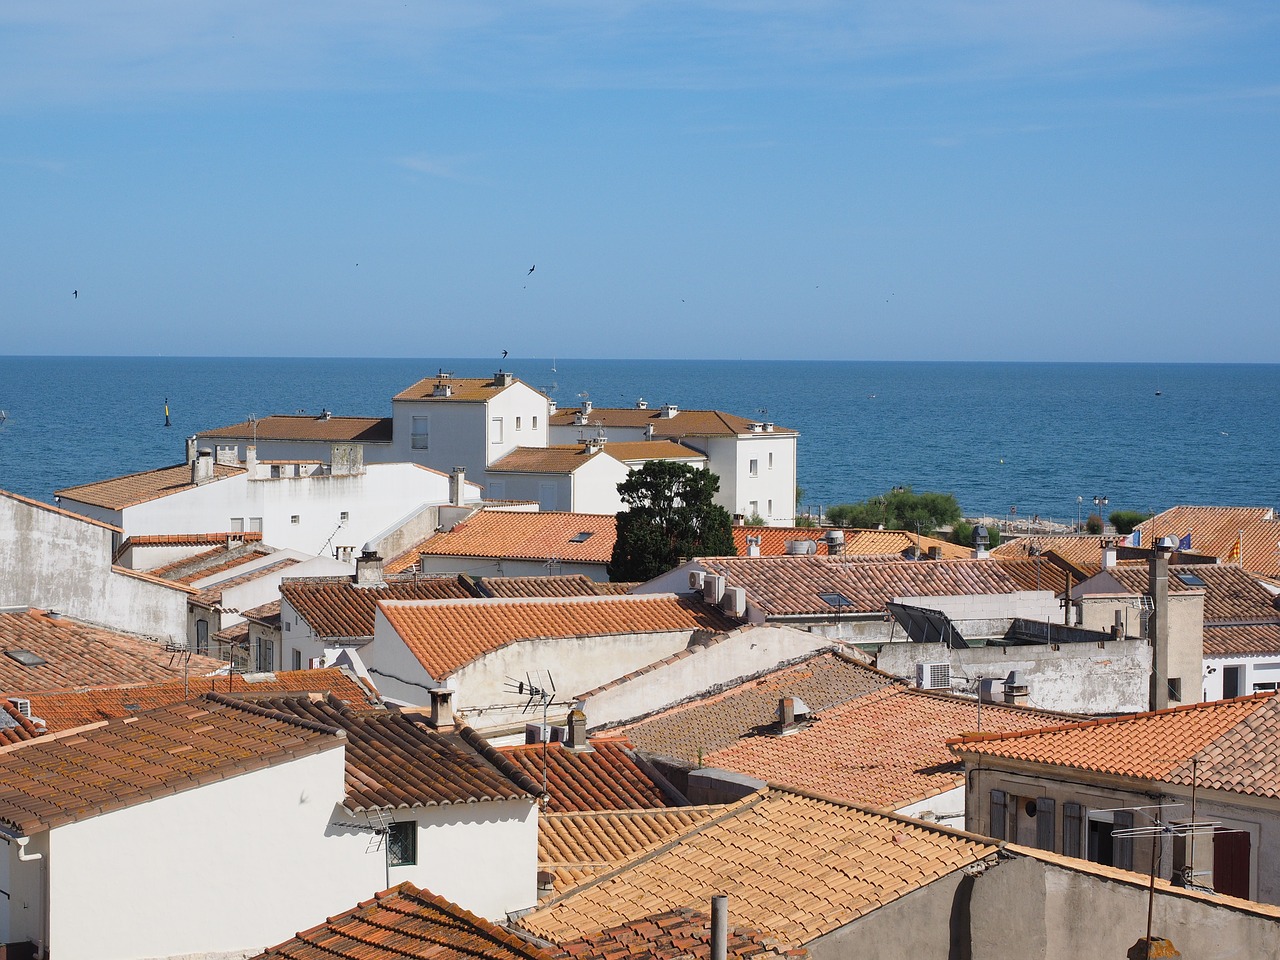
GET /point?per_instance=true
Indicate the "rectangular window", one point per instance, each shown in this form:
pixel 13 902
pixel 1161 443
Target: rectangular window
pixel 255 524
pixel 297 659
pixel 495 434
pixel 771 461
pixel 754 468
pixel 420 430
pixel 1044 823
pixel 202 637
pixel 295 519
pixel 266 655
pixel 402 844
pixel 1072 820
pixel 517 423
pixel 999 814
pixel 535 423
pixel 755 507
pixel 771 508
pixel 344 516
pixel 1175 689
pixel 237 524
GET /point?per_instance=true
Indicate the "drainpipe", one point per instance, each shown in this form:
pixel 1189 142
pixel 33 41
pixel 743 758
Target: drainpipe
pixel 22 842
pixel 719 927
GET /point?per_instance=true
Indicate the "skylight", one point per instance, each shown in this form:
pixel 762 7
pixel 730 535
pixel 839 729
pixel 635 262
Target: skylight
pixel 835 599
pixel 1190 579
pixel 582 537
pixel 26 658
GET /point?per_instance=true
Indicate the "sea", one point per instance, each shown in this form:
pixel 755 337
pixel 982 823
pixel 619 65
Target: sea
pixel 1012 440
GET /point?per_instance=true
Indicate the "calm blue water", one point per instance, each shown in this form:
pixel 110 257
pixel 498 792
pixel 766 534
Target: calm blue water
pixel 995 434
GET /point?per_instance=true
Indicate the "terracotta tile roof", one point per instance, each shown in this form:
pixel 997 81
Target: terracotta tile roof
pixel 297 427
pixel 461 389
pixel 398 760
pixel 528 536
pixel 1217 530
pixel 193 539
pixel 134 488
pixel 558 459
pixel 61 778
pixel 77 655
pixel 336 607
pixel 1042 572
pixel 794 866
pixel 857 542
pixel 576 846
pixel 708 724
pixel 64 709
pixel 207 563
pixel 447 634
pixel 635 451
pixel 680 934
pixel 212 595
pixel 607 777
pixel 568 585
pixel 268 614
pixel 686 423
pixel 1083 551
pixel 150 578
pixel 1225 640
pixel 59 511
pixel 1233 741
pixel 405 922
pixel 14 726
pixel 885 749
pixel 793 586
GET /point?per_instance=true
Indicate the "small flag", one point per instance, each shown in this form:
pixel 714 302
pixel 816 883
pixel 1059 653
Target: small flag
pixel 1135 538
pixel 1234 555
pixel 1184 543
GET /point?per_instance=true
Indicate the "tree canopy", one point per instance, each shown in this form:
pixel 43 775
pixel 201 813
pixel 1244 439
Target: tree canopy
pixel 670 516
pixel 899 509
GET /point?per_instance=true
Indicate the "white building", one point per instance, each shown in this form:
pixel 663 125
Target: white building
pixel 331 509
pixel 755 460
pixel 340 804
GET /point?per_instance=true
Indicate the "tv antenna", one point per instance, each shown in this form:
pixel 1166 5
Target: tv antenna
pixel 1157 830
pixel 540 693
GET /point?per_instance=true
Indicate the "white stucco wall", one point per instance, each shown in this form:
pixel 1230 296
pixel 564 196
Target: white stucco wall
pixel 730 458
pixel 1257 673
pixel 508 567
pixel 946 808
pixel 743 653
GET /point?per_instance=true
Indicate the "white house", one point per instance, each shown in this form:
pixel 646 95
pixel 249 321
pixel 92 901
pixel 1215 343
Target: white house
pixel 755 460
pixel 331 509
pixel 346 803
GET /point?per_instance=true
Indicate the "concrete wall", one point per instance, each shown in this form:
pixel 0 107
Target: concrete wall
pixel 923 925
pixel 1091 678
pixel 510 567
pixel 742 653
pixel 1256 673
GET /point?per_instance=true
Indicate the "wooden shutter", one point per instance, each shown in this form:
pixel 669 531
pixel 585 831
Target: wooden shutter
pixel 999 813
pixel 1122 847
pixel 1072 821
pixel 1044 823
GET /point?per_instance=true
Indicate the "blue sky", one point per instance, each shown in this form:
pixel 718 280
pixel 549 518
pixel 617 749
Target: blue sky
pixel 928 179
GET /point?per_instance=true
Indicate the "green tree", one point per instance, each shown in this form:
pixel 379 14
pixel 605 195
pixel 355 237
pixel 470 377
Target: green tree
pixel 899 509
pixel 1125 520
pixel 671 516
pixel 1093 524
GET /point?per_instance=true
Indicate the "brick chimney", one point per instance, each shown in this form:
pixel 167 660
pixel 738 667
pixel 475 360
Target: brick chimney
pixel 577 739
pixel 369 568
pixel 441 707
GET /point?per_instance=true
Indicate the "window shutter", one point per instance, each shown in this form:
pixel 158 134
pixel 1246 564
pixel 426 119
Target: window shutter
pixel 999 813
pixel 1123 846
pixel 1044 823
pixel 1072 821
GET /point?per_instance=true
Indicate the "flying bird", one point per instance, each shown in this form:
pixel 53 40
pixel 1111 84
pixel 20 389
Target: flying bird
pixel 504 354
pixel 531 269
pixel 75 294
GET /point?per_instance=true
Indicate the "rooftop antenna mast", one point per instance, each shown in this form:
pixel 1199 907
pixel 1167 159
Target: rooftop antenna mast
pixel 1157 830
pixel 541 693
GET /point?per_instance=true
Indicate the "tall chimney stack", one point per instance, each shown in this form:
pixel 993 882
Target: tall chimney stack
pixel 719 927
pixel 441 707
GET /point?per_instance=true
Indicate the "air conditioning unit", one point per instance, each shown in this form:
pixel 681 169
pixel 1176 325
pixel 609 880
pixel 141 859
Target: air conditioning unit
pixel 734 601
pixel 22 705
pixel 315 663
pixel 933 676
pixel 533 733
pixel 695 580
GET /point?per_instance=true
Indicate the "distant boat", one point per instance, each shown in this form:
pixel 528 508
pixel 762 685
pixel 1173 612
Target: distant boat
pixel 3 416
pixel 553 364
pixel 1158 392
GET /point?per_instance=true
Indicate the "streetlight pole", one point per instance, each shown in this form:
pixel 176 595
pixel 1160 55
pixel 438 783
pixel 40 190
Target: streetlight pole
pixel 1079 513
pixel 1099 502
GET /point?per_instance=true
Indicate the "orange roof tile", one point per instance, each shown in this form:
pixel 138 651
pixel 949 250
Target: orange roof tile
pixel 886 749
pixel 1042 572
pixel 1233 742
pixel 77 655
pixel 15 726
pixel 149 578
pixel 557 459
pixel 459 389
pixel 405 922
pixel 193 539
pixel 65 777
pixel 297 427
pixel 857 542
pixel 134 488
pixel 64 709
pixel 680 934
pixel 336 607
pixel 686 423
pixel 575 846
pixel 1216 531
pixel 212 594
pixel 606 777
pixel 794 866
pixel 793 586
pixel 1083 551
pixel 207 563
pixel 447 634
pixel 637 450
pixel 528 536
pixel 567 585
pixel 59 511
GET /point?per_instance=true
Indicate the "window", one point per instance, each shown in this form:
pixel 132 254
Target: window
pixel 753 468
pixel 518 423
pixel 495 434
pixel 344 516
pixel 402 844
pixel 1175 688
pixel 1103 846
pixel 999 814
pixel 295 519
pixel 771 508
pixel 202 637
pixel 835 599
pixel 420 430
pixel 771 461
pixel 237 524
pixel 582 537
pixel 266 655
pixel 755 508
pixel 1261 687
pixel 255 524
pixel 26 658
pixel 297 660
pixel 535 423
pixel 287 627
pixel 1190 579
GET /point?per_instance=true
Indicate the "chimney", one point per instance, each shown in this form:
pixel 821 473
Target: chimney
pixel 442 390
pixel 1016 691
pixel 441 707
pixel 935 553
pixel 369 568
pixel 981 540
pixel 1158 623
pixel 719 927
pixel 648 431
pixel 1108 554
pixel 788 710
pixel 835 542
pixel 552 406
pixel 251 461
pixel 753 546
pixel 593 445
pixel 669 410
pixel 577 739
pixel 457 486
pixel 502 379
pixel 191 449
pixel 642 404
pixel 202 466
